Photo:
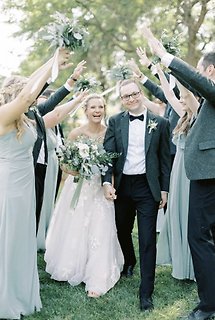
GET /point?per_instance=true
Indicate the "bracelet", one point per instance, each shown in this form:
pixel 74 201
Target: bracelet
pixel 73 79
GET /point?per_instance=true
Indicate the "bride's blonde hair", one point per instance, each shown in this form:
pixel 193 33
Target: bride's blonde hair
pixel 11 87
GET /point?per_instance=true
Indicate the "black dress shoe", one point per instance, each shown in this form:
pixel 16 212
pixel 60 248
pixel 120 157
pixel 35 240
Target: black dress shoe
pixel 146 304
pixel 127 271
pixel 198 314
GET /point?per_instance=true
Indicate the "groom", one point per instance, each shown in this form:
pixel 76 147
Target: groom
pixel 141 180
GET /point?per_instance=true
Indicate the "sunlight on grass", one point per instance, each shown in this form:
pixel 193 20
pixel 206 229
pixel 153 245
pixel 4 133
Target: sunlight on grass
pixel 173 299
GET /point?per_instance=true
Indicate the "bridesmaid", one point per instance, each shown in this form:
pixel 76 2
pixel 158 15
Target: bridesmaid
pixel 19 282
pixel 172 246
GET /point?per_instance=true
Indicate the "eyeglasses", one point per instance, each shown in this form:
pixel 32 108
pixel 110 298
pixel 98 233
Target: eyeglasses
pixel 133 95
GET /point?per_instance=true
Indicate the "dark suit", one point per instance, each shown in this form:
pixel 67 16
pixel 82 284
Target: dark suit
pixel 40 169
pixel 141 192
pixel 199 159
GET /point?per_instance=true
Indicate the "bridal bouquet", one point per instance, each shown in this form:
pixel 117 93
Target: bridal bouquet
pixel 88 158
pixel 64 32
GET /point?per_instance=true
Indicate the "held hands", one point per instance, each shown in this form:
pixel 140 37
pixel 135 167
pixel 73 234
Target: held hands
pixel 163 199
pixel 109 192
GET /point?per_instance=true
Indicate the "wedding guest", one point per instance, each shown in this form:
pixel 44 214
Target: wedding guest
pixel 19 282
pixel 141 179
pixel 82 244
pixel 199 163
pixel 172 245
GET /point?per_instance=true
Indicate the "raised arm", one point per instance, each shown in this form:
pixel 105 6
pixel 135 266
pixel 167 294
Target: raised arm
pixel 200 83
pixel 13 110
pixel 56 116
pixel 63 91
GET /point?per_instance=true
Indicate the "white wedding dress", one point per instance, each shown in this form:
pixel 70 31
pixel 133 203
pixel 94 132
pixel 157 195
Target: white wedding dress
pixel 82 244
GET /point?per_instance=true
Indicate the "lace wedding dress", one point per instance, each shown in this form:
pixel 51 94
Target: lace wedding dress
pixel 82 244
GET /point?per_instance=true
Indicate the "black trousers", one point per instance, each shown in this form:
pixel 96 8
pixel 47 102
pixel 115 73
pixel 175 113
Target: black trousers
pixel 134 193
pixel 59 177
pixel 201 221
pixel 40 174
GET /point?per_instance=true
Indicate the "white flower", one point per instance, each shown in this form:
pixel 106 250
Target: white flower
pixel 152 125
pixel 83 150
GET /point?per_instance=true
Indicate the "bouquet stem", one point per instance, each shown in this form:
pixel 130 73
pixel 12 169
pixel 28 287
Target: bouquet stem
pixel 76 194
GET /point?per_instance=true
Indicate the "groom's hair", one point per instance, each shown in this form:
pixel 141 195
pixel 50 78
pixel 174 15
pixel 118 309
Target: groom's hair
pixel 124 82
pixel 208 59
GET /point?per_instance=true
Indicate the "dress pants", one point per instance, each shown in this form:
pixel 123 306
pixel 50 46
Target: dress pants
pixel 201 220
pixel 40 174
pixel 134 193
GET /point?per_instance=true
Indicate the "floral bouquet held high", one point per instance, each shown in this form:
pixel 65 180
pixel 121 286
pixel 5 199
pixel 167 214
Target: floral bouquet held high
pixel 64 32
pixel 87 158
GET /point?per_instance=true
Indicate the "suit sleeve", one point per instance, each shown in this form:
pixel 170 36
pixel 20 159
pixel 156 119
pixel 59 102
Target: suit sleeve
pixel 110 146
pixel 53 101
pixel 204 86
pixel 164 156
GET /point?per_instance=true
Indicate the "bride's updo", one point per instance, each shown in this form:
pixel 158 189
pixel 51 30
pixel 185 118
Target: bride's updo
pixel 93 96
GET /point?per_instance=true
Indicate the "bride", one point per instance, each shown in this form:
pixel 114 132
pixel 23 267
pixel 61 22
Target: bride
pixel 82 244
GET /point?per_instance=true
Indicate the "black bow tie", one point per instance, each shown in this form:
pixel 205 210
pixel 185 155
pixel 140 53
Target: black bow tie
pixel 140 117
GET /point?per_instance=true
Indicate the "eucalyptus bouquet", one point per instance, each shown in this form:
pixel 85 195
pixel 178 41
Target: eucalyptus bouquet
pixel 65 32
pixel 89 83
pixel 120 73
pixel 88 158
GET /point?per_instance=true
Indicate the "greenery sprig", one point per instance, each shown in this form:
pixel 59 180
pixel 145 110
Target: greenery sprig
pixel 89 83
pixel 65 32
pixel 120 73
pixel 171 44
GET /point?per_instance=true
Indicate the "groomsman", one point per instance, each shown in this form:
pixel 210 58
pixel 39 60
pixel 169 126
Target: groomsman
pixel 200 169
pixel 141 180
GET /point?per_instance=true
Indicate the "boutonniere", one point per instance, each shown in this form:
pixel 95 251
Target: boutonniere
pixel 152 125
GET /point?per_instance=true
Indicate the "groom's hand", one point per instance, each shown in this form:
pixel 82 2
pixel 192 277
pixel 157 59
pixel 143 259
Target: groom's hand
pixel 109 192
pixel 163 199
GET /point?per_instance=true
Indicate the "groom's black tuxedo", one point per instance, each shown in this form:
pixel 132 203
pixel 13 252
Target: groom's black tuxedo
pixel 139 193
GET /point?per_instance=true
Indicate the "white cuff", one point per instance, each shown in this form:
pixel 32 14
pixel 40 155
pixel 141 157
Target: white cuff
pixel 143 80
pixel 68 87
pixel 106 182
pixel 167 59
pixel 154 70
pixel 49 80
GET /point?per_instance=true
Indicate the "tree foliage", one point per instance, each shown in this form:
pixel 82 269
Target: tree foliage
pixel 113 27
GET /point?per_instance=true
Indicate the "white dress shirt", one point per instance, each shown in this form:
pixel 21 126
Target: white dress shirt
pixel 135 159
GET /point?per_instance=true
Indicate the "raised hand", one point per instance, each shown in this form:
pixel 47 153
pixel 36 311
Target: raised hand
pixel 135 69
pixel 78 70
pixel 63 57
pixel 144 60
pixel 154 44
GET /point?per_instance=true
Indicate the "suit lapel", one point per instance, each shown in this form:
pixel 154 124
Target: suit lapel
pixel 124 130
pixel 148 136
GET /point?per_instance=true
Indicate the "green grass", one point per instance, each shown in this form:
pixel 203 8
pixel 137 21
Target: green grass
pixel 173 299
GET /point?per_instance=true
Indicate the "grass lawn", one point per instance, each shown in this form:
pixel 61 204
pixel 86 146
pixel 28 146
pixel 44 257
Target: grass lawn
pixel 173 299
